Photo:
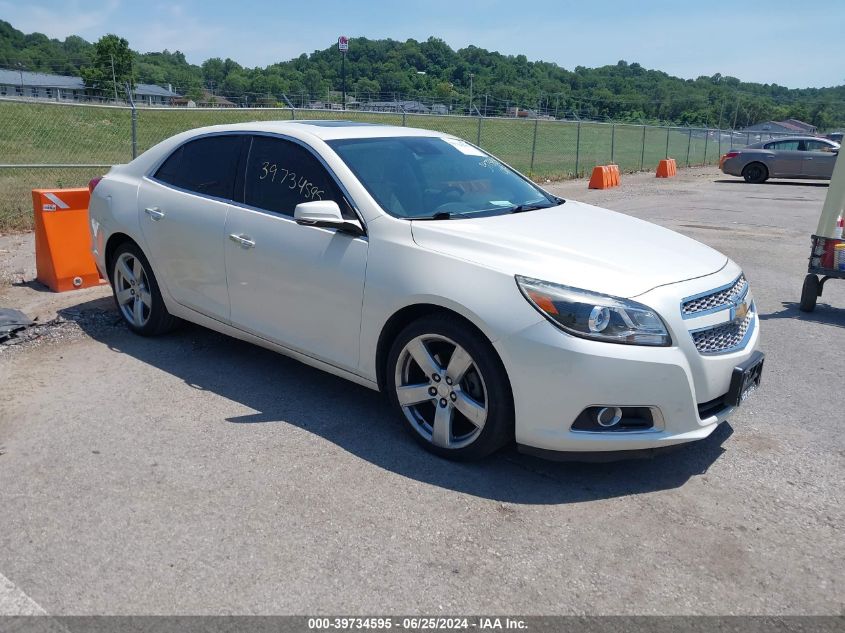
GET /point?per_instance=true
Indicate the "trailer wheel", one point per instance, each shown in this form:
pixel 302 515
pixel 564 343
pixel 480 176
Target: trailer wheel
pixel 809 293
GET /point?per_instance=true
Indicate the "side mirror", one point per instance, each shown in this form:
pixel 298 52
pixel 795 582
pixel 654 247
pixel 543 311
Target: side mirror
pixel 325 214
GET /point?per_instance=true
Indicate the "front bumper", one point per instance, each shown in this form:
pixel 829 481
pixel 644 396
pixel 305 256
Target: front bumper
pixel 555 376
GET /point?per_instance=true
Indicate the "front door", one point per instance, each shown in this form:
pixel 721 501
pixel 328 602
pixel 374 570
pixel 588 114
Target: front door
pixel 819 159
pixel 182 210
pixel 299 286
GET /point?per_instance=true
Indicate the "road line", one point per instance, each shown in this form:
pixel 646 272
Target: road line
pixel 13 601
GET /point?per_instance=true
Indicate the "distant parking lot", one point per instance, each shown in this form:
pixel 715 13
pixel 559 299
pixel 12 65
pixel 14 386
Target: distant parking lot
pixel 197 474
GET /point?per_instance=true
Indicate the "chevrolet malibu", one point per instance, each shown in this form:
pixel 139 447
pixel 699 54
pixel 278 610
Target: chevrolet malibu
pixel 415 263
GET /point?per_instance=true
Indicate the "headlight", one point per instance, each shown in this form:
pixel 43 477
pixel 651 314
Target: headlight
pixel 595 316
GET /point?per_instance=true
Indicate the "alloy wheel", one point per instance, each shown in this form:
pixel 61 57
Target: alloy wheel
pixel 132 289
pixel 441 391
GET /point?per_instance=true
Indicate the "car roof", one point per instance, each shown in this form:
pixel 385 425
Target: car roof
pixel 323 129
pixel 792 138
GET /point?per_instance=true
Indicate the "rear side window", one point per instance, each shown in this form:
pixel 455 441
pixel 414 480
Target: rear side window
pixel 783 145
pixel 280 174
pixel 207 165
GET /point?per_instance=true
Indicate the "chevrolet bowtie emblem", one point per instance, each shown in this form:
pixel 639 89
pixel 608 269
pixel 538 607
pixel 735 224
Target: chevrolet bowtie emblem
pixel 739 311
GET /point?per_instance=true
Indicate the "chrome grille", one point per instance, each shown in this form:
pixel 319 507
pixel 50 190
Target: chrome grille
pixel 715 300
pixel 723 338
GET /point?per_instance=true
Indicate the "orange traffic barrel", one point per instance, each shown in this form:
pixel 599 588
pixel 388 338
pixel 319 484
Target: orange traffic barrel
pixel 604 176
pixel 63 258
pixel 667 168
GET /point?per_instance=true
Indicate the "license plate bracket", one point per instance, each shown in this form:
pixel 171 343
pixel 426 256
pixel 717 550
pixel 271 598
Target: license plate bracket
pixel 745 379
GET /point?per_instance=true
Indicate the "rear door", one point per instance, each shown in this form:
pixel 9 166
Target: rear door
pixel 183 208
pixel 819 159
pixel 786 161
pixel 299 286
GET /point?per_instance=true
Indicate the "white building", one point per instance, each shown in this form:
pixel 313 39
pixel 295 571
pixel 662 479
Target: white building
pixel 28 85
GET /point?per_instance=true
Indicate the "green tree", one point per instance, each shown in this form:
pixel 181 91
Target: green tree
pixel 111 67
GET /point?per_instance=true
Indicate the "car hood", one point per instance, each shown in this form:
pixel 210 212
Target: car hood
pixel 574 244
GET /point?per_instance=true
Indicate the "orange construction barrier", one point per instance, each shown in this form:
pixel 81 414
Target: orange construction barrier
pixel 667 168
pixel 604 177
pixel 63 258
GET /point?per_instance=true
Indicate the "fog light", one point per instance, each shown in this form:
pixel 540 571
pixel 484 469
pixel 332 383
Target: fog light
pixel 608 416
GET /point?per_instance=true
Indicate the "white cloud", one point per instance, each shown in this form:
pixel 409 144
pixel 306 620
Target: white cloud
pixel 188 35
pixel 68 19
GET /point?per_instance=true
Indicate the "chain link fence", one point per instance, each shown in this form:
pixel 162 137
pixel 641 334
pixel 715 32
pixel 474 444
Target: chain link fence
pixel 52 145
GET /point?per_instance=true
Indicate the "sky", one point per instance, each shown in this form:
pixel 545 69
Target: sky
pixel 792 44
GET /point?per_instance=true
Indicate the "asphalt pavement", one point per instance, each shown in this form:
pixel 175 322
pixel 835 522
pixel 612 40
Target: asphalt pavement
pixel 195 474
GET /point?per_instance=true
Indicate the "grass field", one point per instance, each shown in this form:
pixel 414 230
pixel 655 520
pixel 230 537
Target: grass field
pixel 45 133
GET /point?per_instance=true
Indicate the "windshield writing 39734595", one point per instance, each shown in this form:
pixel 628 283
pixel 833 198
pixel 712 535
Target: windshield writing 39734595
pixel 288 178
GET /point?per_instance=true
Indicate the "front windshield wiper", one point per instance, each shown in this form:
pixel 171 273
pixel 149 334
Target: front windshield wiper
pixel 440 215
pixel 530 207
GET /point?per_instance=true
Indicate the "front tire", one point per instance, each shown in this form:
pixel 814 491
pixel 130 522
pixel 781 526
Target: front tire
pixel 136 293
pixel 809 293
pixel 755 173
pixel 447 382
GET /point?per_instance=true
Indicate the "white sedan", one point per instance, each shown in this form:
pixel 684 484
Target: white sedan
pixel 415 263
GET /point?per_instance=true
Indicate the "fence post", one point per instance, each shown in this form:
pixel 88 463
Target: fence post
pixel 134 132
pixel 612 143
pixel 667 141
pixel 706 138
pixel 642 152
pixel 478 133
pixel 748 138
pixel 533 147
pixel 403 117
pixel 689 143
pixel 577 148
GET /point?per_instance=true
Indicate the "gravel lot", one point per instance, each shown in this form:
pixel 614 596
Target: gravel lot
pixel 195 474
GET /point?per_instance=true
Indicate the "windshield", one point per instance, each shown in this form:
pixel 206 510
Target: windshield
pixel 420 177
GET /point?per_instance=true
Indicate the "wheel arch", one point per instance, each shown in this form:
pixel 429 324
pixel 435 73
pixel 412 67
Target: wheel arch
pixel 118 238
pixel 408 314
pixel 112 244
pixel 765 167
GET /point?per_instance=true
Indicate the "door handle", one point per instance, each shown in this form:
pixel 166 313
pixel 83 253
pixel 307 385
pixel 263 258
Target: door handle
pixel 244 240
pixel 155 213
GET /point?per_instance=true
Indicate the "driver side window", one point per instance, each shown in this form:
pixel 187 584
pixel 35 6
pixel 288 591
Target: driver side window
pixel 281 174
pixel 817 146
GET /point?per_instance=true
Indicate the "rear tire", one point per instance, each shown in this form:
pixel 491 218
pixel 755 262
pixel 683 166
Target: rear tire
pixel 809 293
pixel 136 293
pixel 755 173
pixel 447 382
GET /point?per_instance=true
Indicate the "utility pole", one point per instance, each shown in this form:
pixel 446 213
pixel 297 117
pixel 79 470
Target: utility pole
pixel 343 47
pixel 736 112
pixel 721 111
pixel 485 104
pixel 20 70
pixel 471 75
pixel 113 76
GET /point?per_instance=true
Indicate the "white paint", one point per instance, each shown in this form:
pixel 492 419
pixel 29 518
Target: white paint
pixel 58 201
pixel 13 601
